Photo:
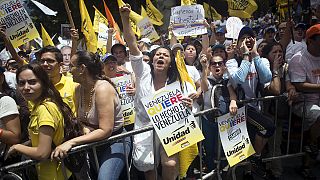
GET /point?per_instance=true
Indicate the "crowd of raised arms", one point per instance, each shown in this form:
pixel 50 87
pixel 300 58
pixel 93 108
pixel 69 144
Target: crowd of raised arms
pixel 48 92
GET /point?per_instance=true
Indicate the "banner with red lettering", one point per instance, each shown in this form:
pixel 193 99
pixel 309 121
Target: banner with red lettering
pixel 174 123
pixel 234 137
pixel 19 26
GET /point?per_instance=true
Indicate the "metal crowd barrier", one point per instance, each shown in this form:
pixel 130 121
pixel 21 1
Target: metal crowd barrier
pixel 217 171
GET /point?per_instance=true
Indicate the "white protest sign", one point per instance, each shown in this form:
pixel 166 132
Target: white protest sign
pixel 234 137
pixel 188 20
pixel 233 26
pixel 314 3
pixel 147 30
pixel 174 123
pixel 19 26
pixel 127 104
pixel 102 35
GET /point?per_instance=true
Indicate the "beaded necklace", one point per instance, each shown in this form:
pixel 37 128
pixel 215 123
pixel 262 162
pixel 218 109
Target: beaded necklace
pixel 83 102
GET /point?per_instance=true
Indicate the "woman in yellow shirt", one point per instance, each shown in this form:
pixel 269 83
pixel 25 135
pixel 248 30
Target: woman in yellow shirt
pixel 46 127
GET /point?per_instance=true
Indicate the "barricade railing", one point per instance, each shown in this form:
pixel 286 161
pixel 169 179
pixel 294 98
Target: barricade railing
pixel 84 147
pixel 20 165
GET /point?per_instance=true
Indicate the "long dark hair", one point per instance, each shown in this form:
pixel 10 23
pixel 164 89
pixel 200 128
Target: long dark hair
pixel 94 65
pixel 172 73
pixel 268 48
pixel 48 90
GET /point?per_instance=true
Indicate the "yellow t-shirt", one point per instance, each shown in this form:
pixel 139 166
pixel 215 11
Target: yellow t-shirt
pixel 66 88
pixel 48 115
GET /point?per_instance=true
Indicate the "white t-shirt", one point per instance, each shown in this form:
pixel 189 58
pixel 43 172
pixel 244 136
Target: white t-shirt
pixel 193 73
pixel 303 67
pixel 292 49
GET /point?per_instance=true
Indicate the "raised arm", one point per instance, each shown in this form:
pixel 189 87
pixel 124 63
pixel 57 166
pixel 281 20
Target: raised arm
pixel 204 75
pixel 127 31
pixel 109 42
pixel 10 47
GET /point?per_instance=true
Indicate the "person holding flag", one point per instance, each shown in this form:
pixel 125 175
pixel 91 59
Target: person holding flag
pixel 161 71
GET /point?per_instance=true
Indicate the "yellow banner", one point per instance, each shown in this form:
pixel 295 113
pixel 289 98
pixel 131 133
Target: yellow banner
pixel 19 26
pixel 210 13
pixel 242 9
pixel 46 39
pixel 98 18
pixel 188 2
pixel 153 13
pixel 87 29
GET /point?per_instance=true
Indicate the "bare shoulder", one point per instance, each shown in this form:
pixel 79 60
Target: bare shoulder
pixel 104 88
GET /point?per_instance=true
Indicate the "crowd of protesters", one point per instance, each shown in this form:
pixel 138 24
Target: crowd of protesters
pixel 43 90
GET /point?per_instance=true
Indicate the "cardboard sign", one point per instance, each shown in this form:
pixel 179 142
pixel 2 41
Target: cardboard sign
pixel 147 30
pixel 188 20
pixel 19 27
pixel 127 102
pixel 174 123
pixel 234 137
pixel 233 26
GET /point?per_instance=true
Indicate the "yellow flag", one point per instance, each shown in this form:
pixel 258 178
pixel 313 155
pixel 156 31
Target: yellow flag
pixel 181 66
pixel 98 18
pixel 153 13
pixel 134 18
pixel 188 2
pixel 187 155
pixel 87 29
pixel 282 6
pixel 242 9
pixel 46 39
pixel 210 13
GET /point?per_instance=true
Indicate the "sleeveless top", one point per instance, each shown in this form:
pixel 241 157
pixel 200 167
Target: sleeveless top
pixel 92 121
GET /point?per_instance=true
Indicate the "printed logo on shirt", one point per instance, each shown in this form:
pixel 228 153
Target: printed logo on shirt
pixel 251 76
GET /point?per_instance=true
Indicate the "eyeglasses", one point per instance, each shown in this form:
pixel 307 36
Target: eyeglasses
pixel 220 63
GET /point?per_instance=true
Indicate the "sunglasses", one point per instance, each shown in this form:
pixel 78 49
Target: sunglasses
pixel 220 63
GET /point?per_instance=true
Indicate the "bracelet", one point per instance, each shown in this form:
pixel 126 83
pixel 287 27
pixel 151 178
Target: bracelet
pixel 1 131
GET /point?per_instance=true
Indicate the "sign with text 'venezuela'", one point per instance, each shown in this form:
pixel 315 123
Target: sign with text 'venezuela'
pixel 174 123
pixel 127 101
pixel 188 20
pixel 19 26
pixel 234 137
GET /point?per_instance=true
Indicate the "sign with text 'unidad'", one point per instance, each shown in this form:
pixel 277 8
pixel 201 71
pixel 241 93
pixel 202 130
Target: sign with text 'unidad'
pixel 127 101
pixel 174 123
pixel 234 137
pixel 19 27
pixel 188 20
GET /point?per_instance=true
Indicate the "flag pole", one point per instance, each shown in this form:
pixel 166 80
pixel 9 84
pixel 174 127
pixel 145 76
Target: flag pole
pixel 291 28
pixel 69 13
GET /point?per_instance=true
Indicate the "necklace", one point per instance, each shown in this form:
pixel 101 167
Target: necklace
pixel 83 102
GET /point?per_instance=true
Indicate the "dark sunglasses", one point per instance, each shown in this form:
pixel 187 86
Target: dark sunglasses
pixel 220 63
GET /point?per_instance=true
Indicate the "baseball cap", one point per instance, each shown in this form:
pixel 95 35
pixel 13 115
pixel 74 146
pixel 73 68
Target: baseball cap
pixel 218 46
pixel 145 40
pixel 301 25
pixel 270 29
pixel 313 30
pixel 108 57
pixel 177 45
pixel 246 30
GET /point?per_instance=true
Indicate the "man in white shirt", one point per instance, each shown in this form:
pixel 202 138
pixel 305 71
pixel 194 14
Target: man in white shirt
pixel 304 71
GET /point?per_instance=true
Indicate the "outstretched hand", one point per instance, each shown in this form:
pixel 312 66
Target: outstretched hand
pixel 74 34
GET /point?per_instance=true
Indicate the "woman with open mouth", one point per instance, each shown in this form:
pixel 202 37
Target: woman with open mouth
pixel 160 71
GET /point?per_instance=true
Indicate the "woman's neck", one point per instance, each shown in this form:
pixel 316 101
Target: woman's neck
pixel 89 85
pixel 160 80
